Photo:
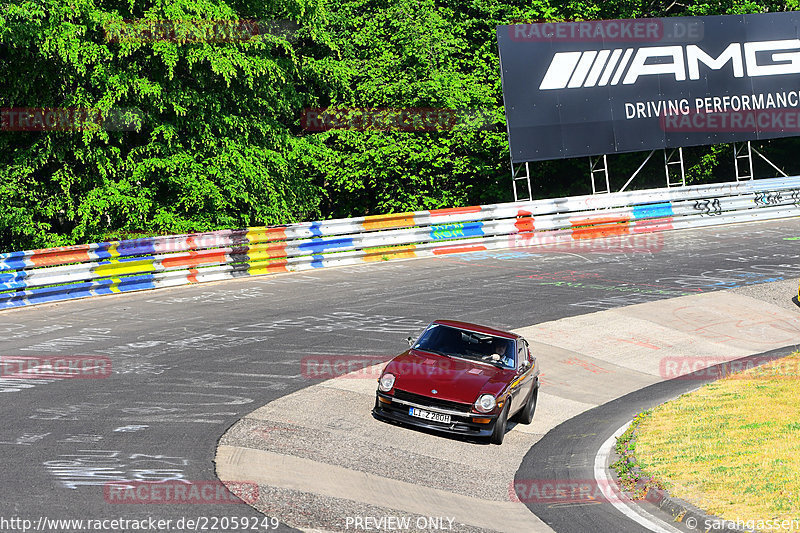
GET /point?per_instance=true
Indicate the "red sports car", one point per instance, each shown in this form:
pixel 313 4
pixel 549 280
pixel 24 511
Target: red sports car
pixel 460 378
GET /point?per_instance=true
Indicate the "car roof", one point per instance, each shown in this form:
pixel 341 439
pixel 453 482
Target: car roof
pixel 477 328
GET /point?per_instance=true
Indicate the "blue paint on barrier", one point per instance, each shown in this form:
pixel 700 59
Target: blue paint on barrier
pixel 118 260
pixel 16 275
pixel 130 283
pixel 456 231
pixel 103 286
pixel 137 283
pixel 316 229
pixel 660 210
pixel 102 250
pixel 12 264
pixel 62 292
pixel 13 286
pixel 145 246
pixel 10 300
pixel 12 255
pixel 317 261
pixel 76 290
pixel 322 245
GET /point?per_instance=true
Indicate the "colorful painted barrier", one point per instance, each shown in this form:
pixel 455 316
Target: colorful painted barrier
pixel 55 274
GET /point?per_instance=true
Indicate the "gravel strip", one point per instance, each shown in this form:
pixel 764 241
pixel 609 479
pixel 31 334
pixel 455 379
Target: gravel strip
pixel 780 293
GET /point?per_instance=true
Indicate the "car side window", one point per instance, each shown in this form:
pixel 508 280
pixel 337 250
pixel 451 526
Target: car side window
pixel 525 352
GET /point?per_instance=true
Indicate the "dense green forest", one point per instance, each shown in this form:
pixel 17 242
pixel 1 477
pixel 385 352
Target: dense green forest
pixel 211 132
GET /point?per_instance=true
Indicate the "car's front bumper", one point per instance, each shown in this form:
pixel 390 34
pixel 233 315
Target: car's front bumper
pixel 460 424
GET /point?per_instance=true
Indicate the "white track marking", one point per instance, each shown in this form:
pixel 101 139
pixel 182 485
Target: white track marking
pixel 614 495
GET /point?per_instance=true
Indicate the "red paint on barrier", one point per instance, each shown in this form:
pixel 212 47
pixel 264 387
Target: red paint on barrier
pixel 192 277
pixel 458 250
pixel 278 268
pixel 594 227
pixel 455 211
pixel 524 223
pixel 266 234
pixel 259 252
pixel 276 250
pixel 59 256
pixel 272 267
pixel 194 259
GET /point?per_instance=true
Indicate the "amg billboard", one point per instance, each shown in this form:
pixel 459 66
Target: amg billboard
pixel 574 89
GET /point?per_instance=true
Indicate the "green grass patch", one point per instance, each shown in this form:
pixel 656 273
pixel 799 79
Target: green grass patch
pixel 730 447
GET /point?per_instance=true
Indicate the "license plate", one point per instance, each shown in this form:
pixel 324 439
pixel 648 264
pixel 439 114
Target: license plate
pixel 427 415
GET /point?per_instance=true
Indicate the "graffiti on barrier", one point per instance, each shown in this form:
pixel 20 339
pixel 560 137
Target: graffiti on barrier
pixel 708 207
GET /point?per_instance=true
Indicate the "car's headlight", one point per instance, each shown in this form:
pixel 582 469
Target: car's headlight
pixel 386 382
pixel 485 403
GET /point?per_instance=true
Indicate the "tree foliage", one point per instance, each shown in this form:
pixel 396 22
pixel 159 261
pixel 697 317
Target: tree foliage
pixel 217 137
pixel 212 146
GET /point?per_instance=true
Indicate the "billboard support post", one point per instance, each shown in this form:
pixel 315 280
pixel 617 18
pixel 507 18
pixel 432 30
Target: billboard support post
pixel 749 157
pixel 743 155
pixel 671 160
pixel 526 178
pixel 637 170
pixel 596 168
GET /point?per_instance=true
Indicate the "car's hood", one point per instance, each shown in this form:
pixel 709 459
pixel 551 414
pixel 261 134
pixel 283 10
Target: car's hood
pixel 454 379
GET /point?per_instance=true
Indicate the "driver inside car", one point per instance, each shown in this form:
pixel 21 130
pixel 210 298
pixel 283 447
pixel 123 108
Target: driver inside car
pixel 501 353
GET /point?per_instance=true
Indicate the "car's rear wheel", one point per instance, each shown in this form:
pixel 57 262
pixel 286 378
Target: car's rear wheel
pixel 499 432
pixel 526 413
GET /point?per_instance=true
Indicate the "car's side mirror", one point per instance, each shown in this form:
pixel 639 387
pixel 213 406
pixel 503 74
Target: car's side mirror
pixel 410 341
pixel 524 366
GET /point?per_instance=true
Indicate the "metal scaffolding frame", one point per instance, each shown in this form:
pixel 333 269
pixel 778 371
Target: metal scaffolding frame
pixel 671 160
pixel 673 164
pixel 594 169
pixel 526 178
pixel 744 152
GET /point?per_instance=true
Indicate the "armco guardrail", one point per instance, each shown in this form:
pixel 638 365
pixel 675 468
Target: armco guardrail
pixel 54 274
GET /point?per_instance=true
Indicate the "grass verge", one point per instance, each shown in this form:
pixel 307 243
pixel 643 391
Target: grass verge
pixel 731 447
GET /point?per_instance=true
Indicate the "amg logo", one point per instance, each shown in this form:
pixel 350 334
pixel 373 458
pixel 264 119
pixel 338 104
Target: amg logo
pixel 598 68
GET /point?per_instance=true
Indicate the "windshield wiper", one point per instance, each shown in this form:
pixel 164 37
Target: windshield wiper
pixel 437 352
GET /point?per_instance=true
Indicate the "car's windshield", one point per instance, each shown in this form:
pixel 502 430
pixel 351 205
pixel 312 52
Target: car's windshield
pixel 467 345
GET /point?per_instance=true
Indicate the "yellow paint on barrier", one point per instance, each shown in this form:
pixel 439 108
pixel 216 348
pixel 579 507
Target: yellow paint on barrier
pixel 122 268
pixel 112 250
pixel 384 253
pixel 267 268
pixel 114 287
pixel 265 251
pixel 398 220
pixel 265 234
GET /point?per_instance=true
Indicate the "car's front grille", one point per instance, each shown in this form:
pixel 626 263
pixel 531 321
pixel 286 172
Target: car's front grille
pixel 432 402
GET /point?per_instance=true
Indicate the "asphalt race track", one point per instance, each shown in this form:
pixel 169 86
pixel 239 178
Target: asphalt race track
pixel 188 363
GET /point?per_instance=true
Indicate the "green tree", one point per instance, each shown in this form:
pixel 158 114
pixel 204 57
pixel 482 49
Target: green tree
pixel 211 146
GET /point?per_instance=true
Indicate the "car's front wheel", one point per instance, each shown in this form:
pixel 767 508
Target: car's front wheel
pixel 499 432
pixel 525 415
